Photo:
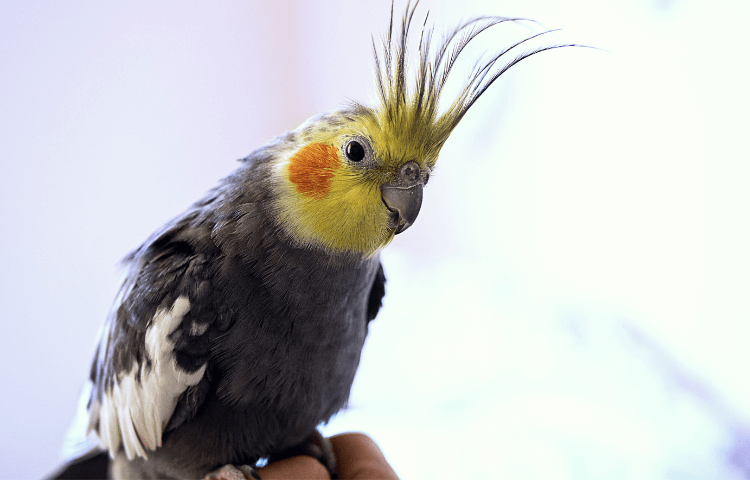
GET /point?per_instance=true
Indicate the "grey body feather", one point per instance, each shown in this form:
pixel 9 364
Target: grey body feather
pixel 278 329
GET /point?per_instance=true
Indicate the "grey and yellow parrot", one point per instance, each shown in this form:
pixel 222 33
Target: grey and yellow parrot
pixel 239 326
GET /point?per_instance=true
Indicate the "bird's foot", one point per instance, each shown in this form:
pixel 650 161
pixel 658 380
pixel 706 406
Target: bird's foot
pixel 231 472
pixel 316 446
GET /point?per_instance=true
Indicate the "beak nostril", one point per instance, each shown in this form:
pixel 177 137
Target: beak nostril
pixel 409 172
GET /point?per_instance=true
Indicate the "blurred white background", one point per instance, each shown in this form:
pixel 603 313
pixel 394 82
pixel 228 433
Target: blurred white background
pixel 573 301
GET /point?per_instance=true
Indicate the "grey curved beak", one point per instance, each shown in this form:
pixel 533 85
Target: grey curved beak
pixel 403 196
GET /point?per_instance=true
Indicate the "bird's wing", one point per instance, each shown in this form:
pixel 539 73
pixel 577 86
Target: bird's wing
pixel 377 292
pixel 155 346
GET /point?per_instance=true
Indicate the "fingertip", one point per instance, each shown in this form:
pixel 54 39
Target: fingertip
pixel 359 457
pixel 300 467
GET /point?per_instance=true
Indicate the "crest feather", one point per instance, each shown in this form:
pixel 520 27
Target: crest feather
pixel 416 113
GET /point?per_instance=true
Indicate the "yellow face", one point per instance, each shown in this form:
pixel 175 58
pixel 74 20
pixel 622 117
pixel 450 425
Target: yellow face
pixel 330 183
pixel 350 181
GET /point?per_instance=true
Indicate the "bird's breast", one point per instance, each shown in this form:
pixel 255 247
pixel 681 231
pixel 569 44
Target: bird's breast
pixel 288 360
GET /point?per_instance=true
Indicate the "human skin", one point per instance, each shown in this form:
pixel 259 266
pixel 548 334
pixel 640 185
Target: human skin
pixel 357 457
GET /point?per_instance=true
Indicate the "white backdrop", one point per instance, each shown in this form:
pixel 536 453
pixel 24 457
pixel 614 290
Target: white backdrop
pixel 572 302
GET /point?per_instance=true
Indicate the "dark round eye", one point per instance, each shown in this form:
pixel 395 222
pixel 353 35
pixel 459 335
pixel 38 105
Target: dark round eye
pixel 355 151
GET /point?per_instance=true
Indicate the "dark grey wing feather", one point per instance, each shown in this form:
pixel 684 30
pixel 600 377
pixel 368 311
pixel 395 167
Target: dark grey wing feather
pixel 377 292
pixel 154 349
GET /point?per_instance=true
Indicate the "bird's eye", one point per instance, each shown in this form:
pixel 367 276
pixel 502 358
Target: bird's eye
pixel 355 151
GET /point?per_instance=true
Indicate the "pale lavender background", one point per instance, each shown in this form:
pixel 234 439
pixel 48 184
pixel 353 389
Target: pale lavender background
pixel 573 302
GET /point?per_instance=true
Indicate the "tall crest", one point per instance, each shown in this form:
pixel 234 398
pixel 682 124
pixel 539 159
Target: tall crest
pixel 415 110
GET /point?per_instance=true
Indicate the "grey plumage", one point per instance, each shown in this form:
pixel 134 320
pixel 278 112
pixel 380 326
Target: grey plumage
pixel 279 329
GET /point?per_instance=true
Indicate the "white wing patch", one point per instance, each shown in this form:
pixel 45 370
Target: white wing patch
pixel 134 414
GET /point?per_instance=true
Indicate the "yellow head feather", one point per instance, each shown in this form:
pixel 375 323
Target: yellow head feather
pixel 327 201
pixel 330 202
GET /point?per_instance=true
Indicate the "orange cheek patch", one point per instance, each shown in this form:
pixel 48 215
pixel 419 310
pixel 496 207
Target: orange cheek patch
pixel 312 168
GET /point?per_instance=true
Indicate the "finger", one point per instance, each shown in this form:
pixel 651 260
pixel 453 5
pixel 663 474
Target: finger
pixel 298 467
pixel 359 458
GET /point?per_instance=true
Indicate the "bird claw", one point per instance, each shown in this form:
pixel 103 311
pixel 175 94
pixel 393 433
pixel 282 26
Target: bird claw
pixel 231 472
pixel 316 446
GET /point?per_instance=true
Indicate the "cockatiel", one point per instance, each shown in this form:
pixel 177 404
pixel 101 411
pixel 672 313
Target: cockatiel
pixel 239 326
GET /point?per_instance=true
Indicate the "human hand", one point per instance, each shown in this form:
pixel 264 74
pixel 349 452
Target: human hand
pixel 357 458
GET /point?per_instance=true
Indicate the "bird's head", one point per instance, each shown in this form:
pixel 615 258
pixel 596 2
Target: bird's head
pixel 351 180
